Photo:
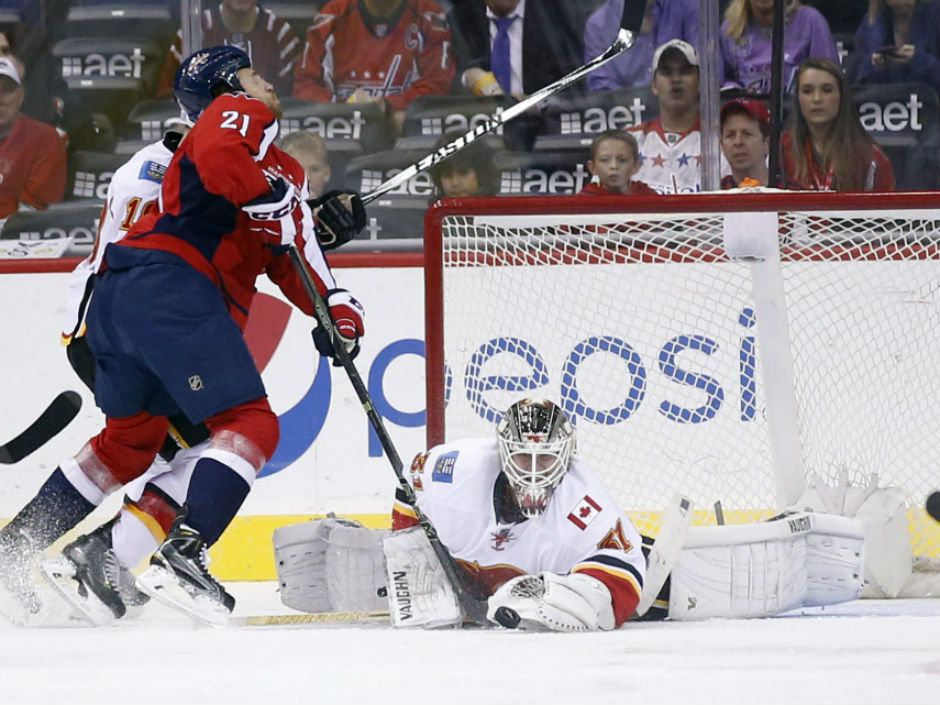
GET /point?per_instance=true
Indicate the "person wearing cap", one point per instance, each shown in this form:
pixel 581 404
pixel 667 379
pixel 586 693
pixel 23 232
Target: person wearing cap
pixel 745 142
pixel 32 155
pixel 746 42
pixel 615 158
pixel 671 143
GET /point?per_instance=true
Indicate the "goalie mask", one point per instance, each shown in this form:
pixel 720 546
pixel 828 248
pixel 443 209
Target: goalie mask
pixel 536 442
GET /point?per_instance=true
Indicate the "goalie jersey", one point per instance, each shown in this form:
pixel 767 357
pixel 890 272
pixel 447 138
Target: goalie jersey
pixel 459 487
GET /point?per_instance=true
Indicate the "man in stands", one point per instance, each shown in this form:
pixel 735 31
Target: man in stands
pixel 385 51
pixel 267 39
pixel 32 155
pixel 671 144
pixel 745 142
pixel 615 159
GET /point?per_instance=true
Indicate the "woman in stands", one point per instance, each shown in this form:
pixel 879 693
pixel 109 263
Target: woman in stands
pixel 898 41
pixel 825 147
pixel 746 39
pixel 469 172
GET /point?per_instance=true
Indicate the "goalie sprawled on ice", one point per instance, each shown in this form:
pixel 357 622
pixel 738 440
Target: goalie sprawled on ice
pixel 545 542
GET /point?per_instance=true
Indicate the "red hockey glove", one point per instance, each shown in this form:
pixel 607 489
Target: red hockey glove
pixel 347 314
pixel 274 216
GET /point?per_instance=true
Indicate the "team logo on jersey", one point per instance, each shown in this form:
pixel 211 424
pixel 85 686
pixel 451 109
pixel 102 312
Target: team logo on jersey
pixel 152 171
pixel 444 467
pixel 615 539
pixel 195 383
pixel 417 465
pixel 584 512
pixel 500 537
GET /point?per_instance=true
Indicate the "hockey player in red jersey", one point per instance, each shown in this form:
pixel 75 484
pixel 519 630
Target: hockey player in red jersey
pixel 164 324
pixel 376 50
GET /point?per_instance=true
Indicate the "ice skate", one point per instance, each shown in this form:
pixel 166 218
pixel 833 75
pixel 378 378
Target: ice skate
pixel 89 576
pixel 178 576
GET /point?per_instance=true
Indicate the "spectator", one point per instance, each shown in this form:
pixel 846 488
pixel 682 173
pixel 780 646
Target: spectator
pixel 389 51
pixel 745 142
pixel 746 40
pixel 514 46
pixel 32 155
pixel 631 68
pixel 898 41
pixel 675 19
pixel 671 144
pixel 308 149
pixel 825 148
pixel 469 172
pixel 615 159
pixel 269 41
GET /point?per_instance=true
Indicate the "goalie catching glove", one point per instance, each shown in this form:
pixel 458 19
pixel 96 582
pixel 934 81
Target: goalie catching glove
pixel 274 216
pixel 550 602
pixel 337 224
pixel 347 314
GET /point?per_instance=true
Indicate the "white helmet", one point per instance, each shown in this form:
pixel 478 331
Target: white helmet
pixel 536 442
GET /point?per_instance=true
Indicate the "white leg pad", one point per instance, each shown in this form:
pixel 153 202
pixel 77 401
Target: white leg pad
pixel 835 560
pixel 419 593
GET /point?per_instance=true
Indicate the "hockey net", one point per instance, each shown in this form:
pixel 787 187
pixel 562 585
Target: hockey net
pixel 631 313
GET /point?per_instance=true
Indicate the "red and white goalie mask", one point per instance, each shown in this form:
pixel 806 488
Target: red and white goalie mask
pixel 536 442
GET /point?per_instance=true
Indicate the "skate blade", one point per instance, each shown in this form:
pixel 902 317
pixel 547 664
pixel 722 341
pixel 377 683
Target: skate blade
pixel 163 586
pixel 60 574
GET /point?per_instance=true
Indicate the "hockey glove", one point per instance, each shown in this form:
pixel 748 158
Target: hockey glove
pixel 550 602
pixel 337 224
pixel 273 215
pixel 347 314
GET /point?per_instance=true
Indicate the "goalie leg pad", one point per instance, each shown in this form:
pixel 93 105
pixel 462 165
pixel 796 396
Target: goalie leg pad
pixel 835 560
pixel 330 565
pixel 550 602
pixel 419 593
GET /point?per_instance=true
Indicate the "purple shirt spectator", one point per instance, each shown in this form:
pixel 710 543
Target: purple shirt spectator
pixel 675 19
pixel 747 60
pixel 924 35
pixel 631 68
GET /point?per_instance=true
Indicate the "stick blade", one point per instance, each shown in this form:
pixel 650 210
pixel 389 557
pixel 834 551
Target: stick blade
pixel 633 13
pixel 50 423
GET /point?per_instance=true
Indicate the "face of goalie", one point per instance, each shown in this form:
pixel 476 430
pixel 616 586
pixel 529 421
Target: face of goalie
pixel 535 447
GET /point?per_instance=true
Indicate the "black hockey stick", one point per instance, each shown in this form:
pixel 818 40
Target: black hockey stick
pixel 56 417
pixel 933 505
pixel 630 22
pixel 473 609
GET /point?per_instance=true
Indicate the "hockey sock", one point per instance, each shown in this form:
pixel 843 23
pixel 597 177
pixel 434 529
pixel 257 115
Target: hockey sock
pixel 55 509
pixel 216 493
pixel 132 540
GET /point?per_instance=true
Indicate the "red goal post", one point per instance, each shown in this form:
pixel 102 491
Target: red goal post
pixel 740 380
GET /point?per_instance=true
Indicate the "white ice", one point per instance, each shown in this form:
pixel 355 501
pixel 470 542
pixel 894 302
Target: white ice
pixel 878 652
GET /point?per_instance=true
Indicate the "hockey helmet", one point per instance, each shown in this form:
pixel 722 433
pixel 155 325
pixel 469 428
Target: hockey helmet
pixel 536 443
pixel 205 74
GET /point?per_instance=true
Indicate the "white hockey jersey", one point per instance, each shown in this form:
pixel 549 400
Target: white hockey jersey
pixel 581 530
pixel 671 162
pixel 134 188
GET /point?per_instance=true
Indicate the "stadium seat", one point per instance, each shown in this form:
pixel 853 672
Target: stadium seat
pixel 546 173
pixel 905 120
pixel 364 123
pixel 90 173
pixel 428 117
pixel 146 123
pixel 77 220
pixel 570 123
pixel 145 21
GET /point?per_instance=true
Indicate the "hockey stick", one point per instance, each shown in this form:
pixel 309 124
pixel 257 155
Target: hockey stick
pixel 630 22
pixel 472 608
pixel 322 618
pixel 56 417
pixel 666 549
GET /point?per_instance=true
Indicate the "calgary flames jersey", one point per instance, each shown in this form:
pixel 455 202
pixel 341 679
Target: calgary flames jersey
pixel 582 530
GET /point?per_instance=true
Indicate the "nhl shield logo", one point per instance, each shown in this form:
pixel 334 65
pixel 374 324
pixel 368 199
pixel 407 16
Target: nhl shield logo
pixel 195 383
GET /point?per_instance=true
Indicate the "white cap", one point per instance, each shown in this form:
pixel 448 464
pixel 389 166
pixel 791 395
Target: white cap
pixel 8 69
pixel 684 48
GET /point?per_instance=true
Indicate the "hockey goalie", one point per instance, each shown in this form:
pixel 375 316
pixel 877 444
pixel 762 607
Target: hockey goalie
pixel 540 538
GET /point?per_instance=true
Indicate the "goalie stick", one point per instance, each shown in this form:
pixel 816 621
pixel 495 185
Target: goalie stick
pixel 666 548
pixel 54 419
pixel 472 608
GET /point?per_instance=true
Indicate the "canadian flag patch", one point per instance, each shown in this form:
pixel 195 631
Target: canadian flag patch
pixel 584 513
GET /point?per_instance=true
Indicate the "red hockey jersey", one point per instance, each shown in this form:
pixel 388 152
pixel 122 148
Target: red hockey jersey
pixel 398 60
pixel 225 162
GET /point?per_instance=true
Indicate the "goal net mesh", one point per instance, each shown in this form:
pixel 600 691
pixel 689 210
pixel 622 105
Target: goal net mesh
pixel 645 330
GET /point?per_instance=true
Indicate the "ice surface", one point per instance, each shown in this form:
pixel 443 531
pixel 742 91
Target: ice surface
pixel 879 652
